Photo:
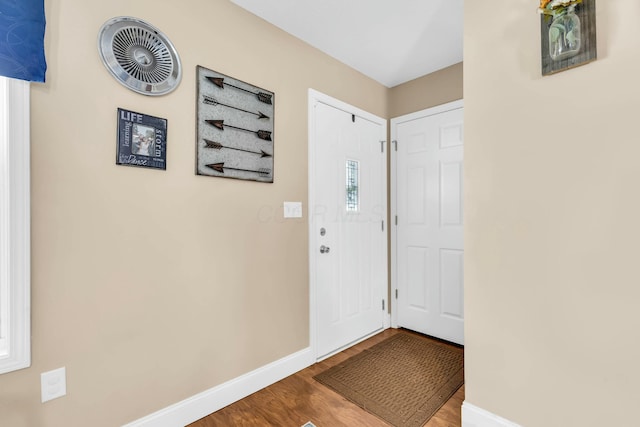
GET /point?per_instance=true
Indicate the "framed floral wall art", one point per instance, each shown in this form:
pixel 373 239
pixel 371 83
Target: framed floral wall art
pixel 567 34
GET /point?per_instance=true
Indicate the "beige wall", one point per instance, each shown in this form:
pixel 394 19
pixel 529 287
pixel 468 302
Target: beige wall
pixel 152 286
pixel 551 265
pixel 427 91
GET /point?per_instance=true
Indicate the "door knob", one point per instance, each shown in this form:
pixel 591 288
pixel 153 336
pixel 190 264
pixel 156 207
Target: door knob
pixel 324 249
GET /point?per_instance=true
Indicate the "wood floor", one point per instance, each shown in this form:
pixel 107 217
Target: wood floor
pixel 299 398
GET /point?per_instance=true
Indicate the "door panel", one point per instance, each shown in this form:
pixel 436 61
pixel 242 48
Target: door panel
pixel 349 204
pixel 451 263
pixel 451 194
pixel 429 255
pixel 417 277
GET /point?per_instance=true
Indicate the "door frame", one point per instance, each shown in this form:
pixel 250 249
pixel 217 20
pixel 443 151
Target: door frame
pixel 443 108
pixel 315 97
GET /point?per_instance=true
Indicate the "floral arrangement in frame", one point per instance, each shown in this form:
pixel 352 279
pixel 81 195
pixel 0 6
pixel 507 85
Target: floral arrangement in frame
pixel 567 34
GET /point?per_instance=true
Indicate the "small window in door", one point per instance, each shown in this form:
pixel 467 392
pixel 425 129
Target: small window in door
pixel 353 183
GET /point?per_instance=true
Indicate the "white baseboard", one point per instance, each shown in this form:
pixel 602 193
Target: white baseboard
pixel 203 404
pixel 472 416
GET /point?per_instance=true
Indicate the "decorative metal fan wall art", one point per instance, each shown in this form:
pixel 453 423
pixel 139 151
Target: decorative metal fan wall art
pixel 139 56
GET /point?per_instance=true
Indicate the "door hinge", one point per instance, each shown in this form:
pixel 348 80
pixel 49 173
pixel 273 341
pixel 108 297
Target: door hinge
pixel 382 146
pixel 383 304
pixel 395 144
pixel 396 294
pixel 396 219
pixel 383 225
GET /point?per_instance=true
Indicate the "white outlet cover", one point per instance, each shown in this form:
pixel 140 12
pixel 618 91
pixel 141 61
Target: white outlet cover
pixel 293 209
pixel 53 384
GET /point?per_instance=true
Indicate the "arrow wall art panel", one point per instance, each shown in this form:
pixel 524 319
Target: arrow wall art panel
pixel 234 128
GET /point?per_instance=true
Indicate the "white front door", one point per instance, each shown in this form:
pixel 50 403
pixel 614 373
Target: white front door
pixel 347 233
pixel 428 237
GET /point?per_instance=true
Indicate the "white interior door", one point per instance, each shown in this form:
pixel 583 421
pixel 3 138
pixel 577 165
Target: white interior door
pixel 429 248
pixel 347 233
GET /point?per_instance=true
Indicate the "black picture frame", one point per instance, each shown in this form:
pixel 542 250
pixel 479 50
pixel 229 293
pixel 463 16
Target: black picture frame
pixel 142 140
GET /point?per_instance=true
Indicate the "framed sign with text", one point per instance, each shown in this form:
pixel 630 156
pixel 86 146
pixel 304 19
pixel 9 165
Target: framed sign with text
pixel 142 140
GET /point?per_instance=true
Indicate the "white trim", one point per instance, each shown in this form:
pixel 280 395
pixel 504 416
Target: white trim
pixel 394 182
pixel 315 97
pixel 15 250
pixel 432 111
pixel 311 124
pixel 472 416
pixel 351 344
pixel 209 401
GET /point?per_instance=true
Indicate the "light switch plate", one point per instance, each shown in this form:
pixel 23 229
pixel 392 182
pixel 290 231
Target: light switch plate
pixel 53 384
pixel 293 209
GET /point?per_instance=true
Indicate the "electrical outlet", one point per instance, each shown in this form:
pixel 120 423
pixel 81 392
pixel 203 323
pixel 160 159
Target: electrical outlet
pixel 53 384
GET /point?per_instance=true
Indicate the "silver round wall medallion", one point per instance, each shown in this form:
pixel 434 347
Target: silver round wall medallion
pixel 139 56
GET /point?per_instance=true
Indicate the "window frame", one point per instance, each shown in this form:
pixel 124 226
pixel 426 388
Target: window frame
pixel 352 207
pixel 15 219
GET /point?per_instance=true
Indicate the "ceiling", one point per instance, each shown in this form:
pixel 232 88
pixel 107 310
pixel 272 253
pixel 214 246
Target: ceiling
pixel 391 41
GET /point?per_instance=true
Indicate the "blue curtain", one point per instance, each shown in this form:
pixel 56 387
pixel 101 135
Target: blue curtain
pixel 22 25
